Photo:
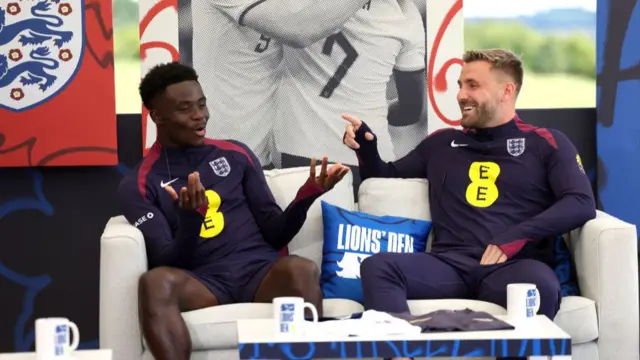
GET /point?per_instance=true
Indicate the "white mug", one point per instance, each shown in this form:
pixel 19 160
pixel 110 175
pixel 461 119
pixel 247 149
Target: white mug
pixel 523 301
pixel 288 314
pixel 53 338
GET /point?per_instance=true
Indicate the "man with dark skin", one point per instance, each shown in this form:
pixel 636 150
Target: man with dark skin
pixel 214 234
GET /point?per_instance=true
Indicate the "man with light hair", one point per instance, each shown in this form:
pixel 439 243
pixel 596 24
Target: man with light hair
pixel 500 192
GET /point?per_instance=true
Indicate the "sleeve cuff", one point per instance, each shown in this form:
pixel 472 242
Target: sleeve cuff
pixel 513 248
pixel 308 189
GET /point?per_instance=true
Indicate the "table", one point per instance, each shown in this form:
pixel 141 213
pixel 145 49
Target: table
pixel 539 337
pixel 102 354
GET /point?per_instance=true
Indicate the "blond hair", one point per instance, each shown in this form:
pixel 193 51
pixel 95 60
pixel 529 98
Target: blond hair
pixel 503 60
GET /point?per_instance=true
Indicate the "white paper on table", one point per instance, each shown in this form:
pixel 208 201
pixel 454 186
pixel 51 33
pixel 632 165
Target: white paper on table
pixel 372 323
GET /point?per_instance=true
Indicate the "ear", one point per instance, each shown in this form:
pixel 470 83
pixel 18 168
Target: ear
pixel 155 117
pixel 509 93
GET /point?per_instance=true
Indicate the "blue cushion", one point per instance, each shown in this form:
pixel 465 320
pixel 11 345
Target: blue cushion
pixel 565 269
pixel 351 236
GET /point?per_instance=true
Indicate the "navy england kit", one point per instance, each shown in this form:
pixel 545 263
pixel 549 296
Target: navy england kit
pixel 233 241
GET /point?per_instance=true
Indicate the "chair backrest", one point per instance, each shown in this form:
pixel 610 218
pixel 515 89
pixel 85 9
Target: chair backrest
pixel 284 183
pixel 398 197
pixel 407 198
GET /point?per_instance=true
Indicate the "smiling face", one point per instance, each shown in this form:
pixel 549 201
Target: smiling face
pixel 181 114
pixel 479 94
pixel 488 89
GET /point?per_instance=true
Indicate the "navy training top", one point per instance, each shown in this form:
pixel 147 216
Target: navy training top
pixel 241 215
pixel 515 186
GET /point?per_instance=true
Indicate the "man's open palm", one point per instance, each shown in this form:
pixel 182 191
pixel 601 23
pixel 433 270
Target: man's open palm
pixel 327 178
pixel 192 196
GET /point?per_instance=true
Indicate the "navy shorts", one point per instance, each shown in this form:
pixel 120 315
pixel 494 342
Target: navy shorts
pixel 236 278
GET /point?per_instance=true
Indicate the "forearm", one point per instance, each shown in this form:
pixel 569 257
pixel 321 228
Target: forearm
pixel 300 23
pixel 570 212
pixel 177 252
pixel 411 89
pixel 282 228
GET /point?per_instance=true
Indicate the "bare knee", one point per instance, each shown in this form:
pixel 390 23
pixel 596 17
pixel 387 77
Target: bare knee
pixel 158 285
pixel 297 271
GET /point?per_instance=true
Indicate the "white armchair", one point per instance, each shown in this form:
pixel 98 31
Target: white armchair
pixel 603 322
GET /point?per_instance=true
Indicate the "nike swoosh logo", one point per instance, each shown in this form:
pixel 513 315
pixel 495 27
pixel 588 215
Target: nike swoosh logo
pixel 163 184
pixel 453 144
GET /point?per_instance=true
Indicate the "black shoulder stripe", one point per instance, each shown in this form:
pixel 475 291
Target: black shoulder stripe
pixel 244 13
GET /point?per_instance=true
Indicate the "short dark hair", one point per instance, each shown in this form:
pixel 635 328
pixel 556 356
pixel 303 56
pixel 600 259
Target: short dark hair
pixel 156 81
pixel 500 59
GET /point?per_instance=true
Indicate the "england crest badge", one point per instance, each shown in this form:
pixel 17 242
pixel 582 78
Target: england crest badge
pixel 220 166
pixel 515 147
pixel 41 49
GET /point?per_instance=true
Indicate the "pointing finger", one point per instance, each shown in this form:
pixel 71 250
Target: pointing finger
pixel 352 119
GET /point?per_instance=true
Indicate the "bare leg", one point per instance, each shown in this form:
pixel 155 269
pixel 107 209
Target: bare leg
pixel 292 276
pixel 163 293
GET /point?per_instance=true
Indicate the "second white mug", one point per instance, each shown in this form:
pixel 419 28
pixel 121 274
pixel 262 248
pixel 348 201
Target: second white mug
pixel 288 314
pixel 523 301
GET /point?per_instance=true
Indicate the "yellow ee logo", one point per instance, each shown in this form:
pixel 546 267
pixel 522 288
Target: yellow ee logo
pixel 213 219
pixel 483 192
pixel 579 161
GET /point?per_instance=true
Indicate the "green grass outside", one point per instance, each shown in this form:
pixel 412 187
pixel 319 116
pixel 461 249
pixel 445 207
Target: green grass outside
pixel 538 91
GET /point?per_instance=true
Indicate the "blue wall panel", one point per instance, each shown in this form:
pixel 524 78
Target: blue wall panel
pixel 618 130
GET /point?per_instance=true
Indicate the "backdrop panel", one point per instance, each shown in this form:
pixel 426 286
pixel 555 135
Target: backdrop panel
pixel 445 45
pixel 158 44
pixel 618 130
pixel 57 89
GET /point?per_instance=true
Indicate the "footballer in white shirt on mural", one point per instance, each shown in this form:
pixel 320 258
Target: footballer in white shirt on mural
pixel 349 72
pixel 237 50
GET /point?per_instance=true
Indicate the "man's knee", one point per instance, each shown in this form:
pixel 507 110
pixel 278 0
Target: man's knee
pixel 377 266
pixel 158 284
pixel 524 271
pixel 538 273
pixel 297 271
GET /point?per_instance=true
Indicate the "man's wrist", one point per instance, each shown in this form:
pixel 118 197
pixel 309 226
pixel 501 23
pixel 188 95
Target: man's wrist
pixel 513 248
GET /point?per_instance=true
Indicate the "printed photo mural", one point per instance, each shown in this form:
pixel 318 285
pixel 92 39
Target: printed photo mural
pixel 282 90
pixel 57 91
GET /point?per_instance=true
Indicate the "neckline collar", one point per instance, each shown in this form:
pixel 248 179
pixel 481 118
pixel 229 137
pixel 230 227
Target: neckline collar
pixel 499 131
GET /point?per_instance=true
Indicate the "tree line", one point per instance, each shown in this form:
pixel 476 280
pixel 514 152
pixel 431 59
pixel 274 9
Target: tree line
pixel 568 53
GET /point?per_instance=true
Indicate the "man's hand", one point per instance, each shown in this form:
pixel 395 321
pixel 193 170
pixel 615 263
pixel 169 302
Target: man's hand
pixel 327 179
pixel 349 137
pixel 191 197
pixel 493 255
